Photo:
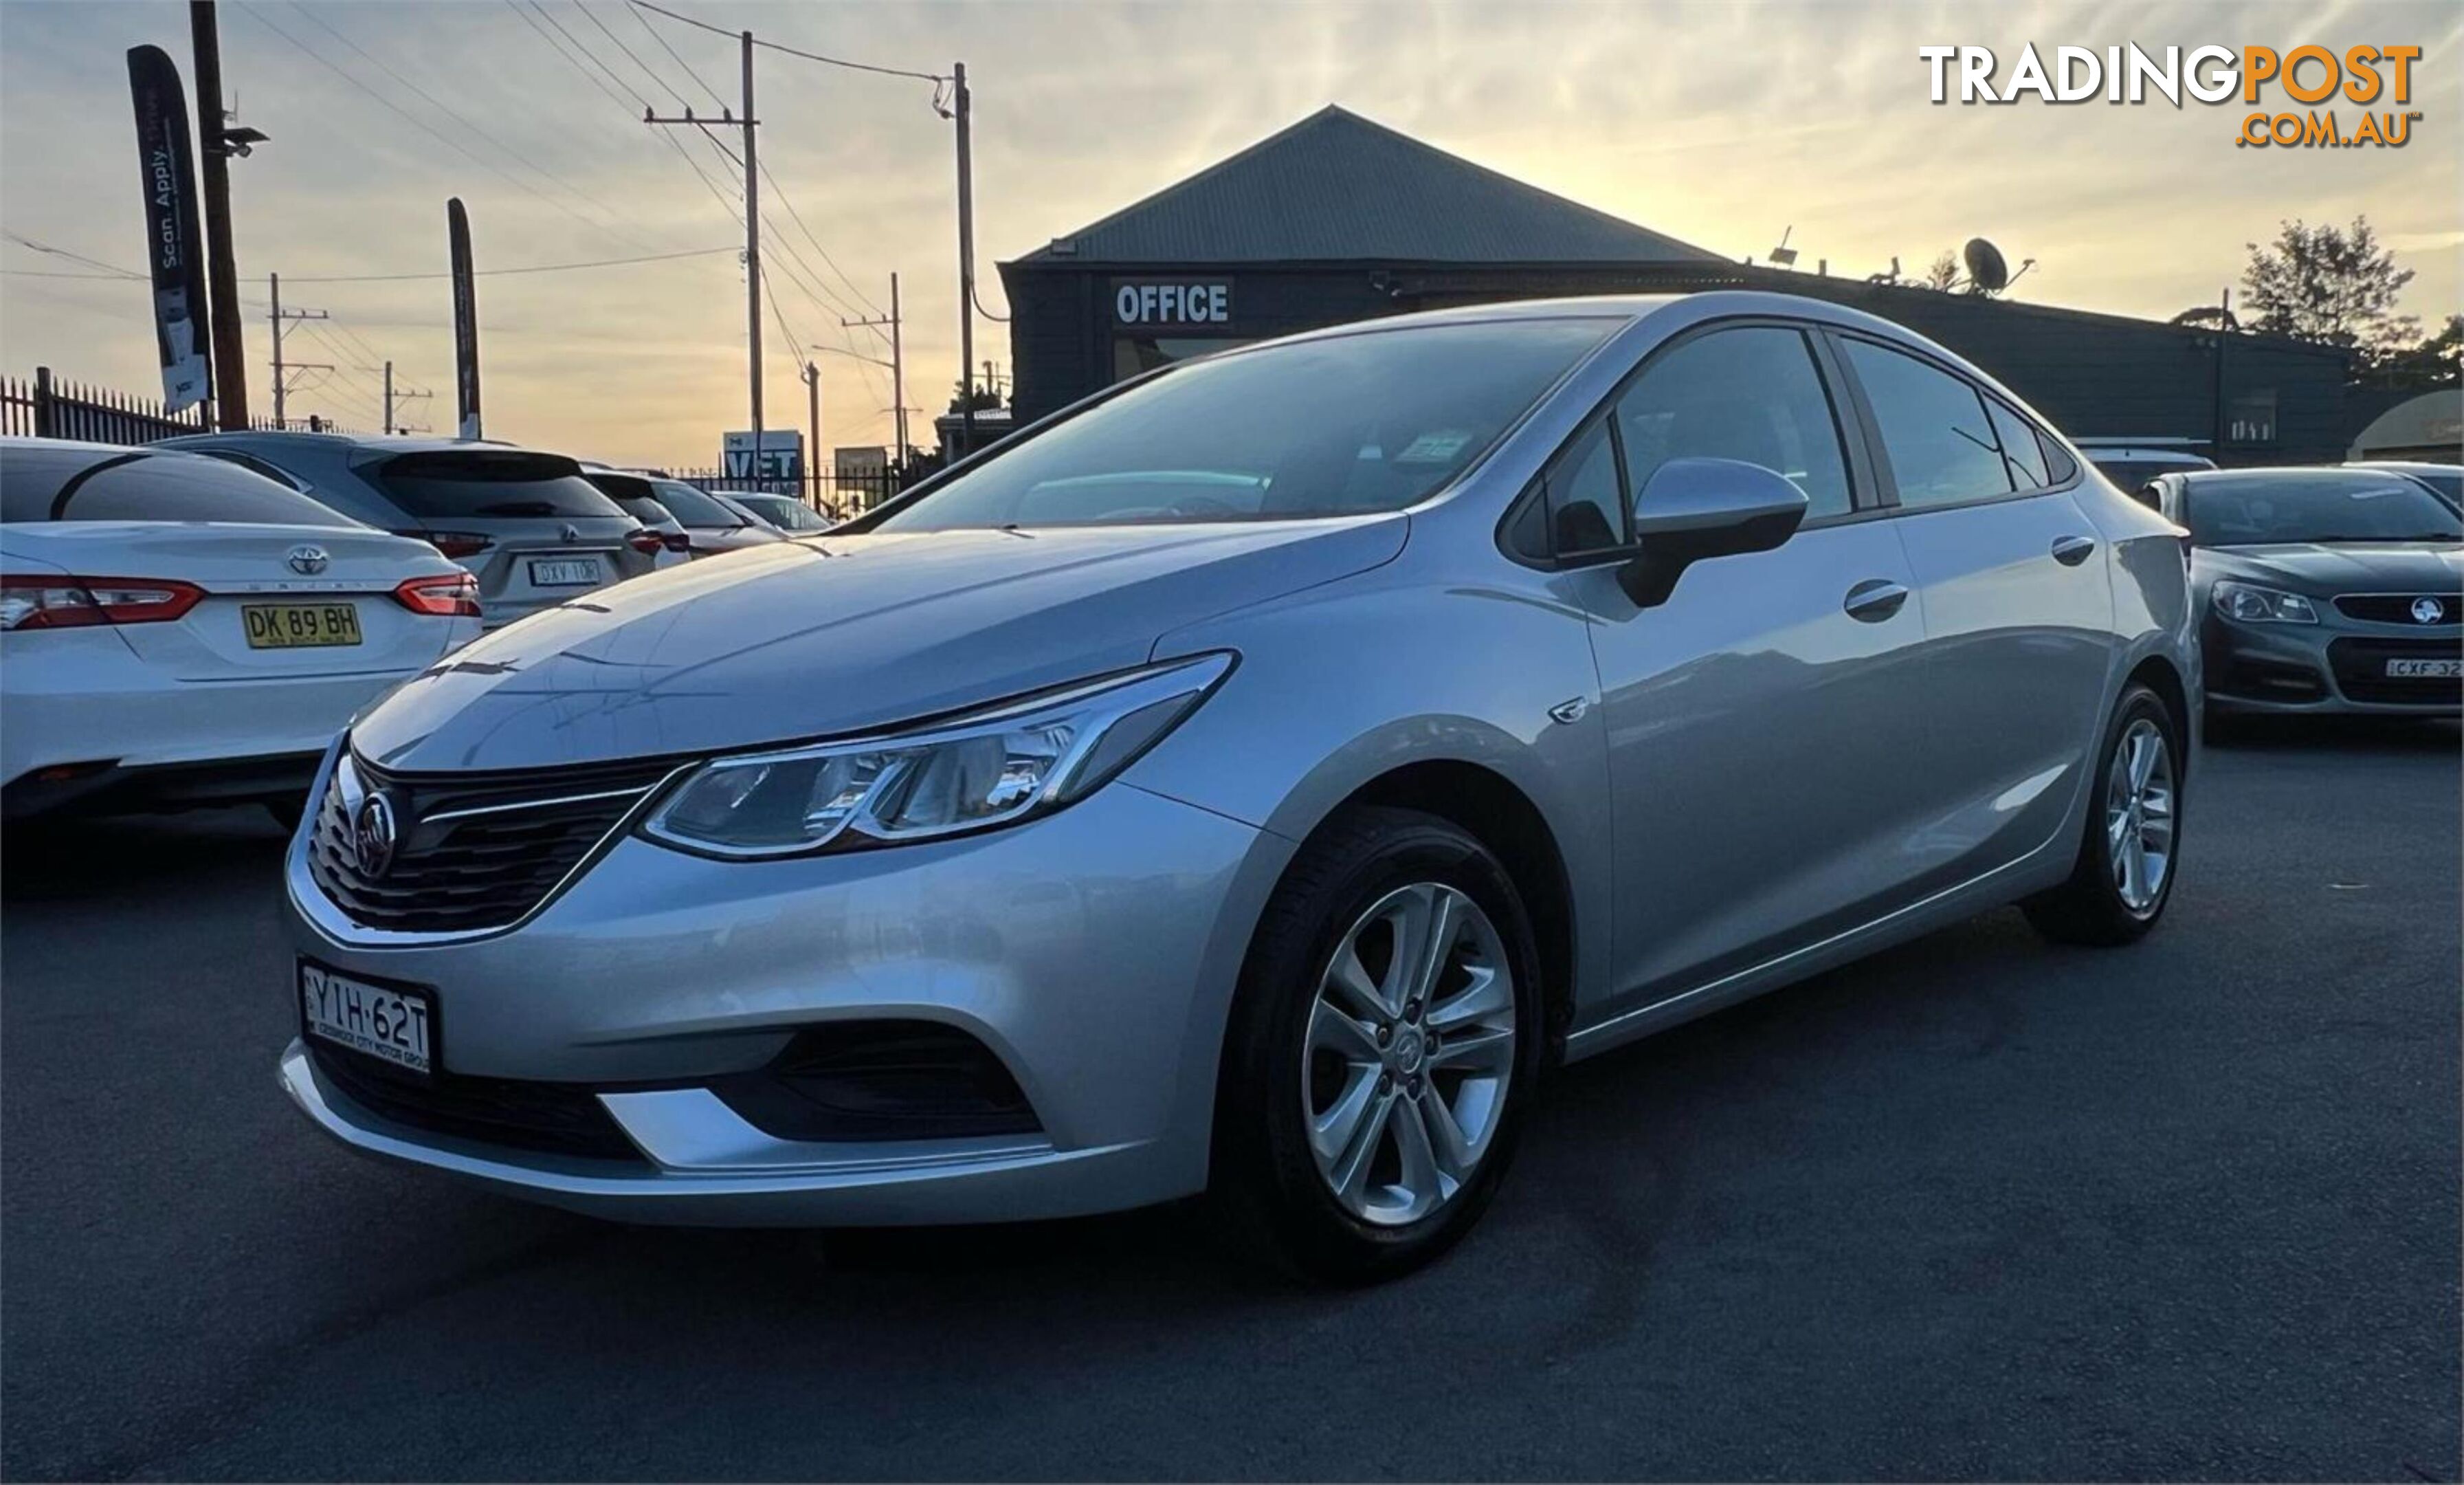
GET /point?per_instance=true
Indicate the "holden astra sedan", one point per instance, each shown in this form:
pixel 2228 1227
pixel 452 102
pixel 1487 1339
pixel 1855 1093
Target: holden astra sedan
pixel 1250 780
pixel 2323 590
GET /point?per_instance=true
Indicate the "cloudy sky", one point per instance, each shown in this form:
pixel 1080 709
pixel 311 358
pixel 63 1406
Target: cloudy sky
pixel 1719 125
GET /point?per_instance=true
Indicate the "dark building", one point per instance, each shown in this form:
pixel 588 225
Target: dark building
pixel 1337 219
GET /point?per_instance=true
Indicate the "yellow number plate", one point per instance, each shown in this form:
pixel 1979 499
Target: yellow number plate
pixel 294 626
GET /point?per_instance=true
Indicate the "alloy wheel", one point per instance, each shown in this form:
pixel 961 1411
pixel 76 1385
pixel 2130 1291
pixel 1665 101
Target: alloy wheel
pixel 2138 815
pixel 1409 1048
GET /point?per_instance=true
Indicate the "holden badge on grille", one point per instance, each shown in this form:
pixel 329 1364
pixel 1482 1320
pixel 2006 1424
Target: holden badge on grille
pixel 372 835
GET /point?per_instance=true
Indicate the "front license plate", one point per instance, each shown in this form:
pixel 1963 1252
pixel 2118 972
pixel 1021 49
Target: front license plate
pixel 2425 669
pixel 389 1021
pixel 299 625
pixel 583 573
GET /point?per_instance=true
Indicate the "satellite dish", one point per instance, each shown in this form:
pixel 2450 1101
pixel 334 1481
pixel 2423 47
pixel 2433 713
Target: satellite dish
pixel 1986 268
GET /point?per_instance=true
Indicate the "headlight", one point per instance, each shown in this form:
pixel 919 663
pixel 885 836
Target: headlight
pixel 2254 605
pixel 993 768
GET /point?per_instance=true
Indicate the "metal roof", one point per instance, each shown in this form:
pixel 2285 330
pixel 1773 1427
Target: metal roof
pixel 1335 187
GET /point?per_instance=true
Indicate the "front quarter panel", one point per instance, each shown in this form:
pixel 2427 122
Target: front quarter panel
pixel 1413 663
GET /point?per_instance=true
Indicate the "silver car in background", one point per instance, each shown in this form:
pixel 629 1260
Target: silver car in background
pixel 2331 589
pixel 1250 781
pixel 525 523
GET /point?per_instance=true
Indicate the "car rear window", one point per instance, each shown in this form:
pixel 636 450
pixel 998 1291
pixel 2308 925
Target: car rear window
pixel 80 484
pixel 488 483
pixel 694 509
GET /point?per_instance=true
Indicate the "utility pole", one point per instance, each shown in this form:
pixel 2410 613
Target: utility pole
pixel 222 273
pixel 752 231
pixel 388 399
pixel 897 365
pixel 813 415
pixel 281 318
pixel 962 108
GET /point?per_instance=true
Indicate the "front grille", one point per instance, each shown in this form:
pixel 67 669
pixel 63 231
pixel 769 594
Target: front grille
pixel 2397 609
pixel 2361 671
pixel 552 1118
pixel 473 851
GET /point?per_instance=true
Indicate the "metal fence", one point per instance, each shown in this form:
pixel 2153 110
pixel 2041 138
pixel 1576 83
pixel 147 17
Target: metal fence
pixel 835 494
pixel 49 406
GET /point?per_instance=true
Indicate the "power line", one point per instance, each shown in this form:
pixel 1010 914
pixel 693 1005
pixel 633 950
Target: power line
pixel 449 112
pixel 936 78
pixel 531 268
pixel 113 269
pixel 576 43
pixel 654 35
pixel 422 124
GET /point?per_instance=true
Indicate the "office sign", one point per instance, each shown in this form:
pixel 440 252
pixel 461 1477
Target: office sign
pixel 1173 303
pixel 778 459
pixel 175 251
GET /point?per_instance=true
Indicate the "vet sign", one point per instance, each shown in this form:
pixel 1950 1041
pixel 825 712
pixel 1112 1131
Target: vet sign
pixel 1172 302
pixel 779 457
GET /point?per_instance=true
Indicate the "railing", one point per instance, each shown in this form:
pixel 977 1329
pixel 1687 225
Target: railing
pixel 49 406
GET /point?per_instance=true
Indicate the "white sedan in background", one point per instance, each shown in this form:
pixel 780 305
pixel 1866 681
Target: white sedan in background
pixel 176 630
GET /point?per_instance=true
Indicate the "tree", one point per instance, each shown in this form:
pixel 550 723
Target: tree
pixel 1943 274
pixel 2332 285
pixel 2436 362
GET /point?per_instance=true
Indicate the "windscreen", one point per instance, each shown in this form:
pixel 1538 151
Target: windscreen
pixel 694 509
pixel 485 482
pixel 1369 421
pixel 2131 475
pixel 102 484
pixel 2328 506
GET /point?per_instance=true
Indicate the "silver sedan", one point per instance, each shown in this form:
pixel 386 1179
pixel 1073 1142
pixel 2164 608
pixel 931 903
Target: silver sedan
pixel 1249 781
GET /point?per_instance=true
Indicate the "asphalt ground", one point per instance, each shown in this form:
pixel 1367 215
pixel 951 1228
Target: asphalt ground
pixel 1978 1206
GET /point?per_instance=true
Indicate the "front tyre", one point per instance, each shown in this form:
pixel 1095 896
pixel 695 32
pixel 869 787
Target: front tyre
pixel 2133 833
pixel 1384 1043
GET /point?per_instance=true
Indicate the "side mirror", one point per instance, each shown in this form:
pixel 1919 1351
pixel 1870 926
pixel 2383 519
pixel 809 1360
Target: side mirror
pixel 1691 509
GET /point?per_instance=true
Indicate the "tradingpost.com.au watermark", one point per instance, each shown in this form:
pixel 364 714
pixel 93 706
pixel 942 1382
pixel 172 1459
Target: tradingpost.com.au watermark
pixel 2379 79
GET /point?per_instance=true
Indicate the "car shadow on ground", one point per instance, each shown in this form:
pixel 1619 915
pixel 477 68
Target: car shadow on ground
pixel 135 856
pixel 2372 734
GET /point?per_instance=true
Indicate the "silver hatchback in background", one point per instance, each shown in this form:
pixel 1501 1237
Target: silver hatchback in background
pixel 525 523
pixel 1250 781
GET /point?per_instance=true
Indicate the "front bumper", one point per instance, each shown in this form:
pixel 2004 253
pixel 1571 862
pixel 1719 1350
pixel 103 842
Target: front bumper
pixel 2331 668
pixel 1094 952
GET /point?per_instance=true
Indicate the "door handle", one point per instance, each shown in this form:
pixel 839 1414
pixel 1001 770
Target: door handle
pixel 1874 600
pixel 2071 551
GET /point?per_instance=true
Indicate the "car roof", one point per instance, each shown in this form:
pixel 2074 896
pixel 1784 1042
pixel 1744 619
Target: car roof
pixel 2289 474
pixel 378 443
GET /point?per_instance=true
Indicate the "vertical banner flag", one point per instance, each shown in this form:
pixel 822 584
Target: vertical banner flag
pixel 175 254
pixel 465 322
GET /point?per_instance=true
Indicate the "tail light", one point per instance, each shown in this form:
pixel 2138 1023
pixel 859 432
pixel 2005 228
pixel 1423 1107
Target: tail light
pixel 453 544
pixel 647 542
pixel 447 596
pixel 34 602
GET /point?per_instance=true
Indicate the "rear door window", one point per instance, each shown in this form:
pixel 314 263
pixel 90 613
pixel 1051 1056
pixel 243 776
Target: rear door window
pixel 131 485
pixel 1941 444
pixel 694 509
pixel 463 483
pixel 2021 449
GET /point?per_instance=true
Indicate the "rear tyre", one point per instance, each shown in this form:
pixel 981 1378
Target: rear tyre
pixel 2132 836
pixel 1384 1043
